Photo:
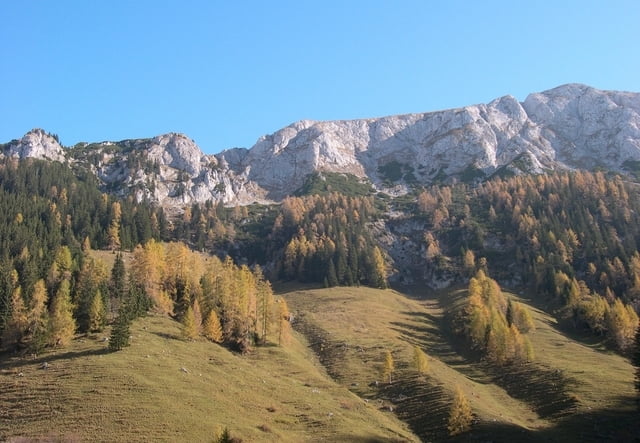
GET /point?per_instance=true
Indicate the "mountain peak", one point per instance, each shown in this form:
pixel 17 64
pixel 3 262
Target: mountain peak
pixel 568 127
pixel 36 143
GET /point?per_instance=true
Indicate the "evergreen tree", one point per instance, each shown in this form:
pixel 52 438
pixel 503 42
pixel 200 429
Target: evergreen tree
pixel 62 325
pixel 117 282
pixel 388 367
pixel 332 277
pixel 120 331
pixel 460 414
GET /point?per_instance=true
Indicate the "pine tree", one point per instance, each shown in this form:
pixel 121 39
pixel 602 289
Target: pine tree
pixel 460 414
pixel 212 329
pixel 62 325
pixel 420 360
pixel 388 367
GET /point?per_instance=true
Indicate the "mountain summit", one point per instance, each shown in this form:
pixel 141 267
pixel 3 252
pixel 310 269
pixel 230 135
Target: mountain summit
pixel 569 127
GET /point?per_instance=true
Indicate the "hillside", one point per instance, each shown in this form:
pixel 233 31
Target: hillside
pixel 574 391
pixel 163 388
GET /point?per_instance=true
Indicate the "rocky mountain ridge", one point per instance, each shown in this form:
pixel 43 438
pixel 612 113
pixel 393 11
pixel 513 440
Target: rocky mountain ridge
pixel 569 127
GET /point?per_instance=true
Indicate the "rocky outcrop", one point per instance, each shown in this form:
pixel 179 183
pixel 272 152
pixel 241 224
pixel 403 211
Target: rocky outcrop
pixel 572 126
pixel 35 144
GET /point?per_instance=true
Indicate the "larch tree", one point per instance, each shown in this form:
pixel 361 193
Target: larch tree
pixel 197 316
pixel 420 360
pixel 97 313
pixel 636 363
pixel 460 414
pixel 38 316
pixel 17 323
pixel 212 329
pixel 284 326
pixel 189 330
pixel 62 325
pixel 379 271
pixel 388 366
pixel 265 308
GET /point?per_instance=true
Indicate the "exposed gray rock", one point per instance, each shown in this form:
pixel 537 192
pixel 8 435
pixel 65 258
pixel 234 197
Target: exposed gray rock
pixel 572 126
pixel 35 144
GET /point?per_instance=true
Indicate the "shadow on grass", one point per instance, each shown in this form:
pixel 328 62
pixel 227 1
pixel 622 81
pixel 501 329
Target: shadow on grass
pixel 51 357
pixel 167 336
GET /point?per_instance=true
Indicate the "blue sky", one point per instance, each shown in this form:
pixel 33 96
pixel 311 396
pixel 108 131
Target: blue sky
pixel 226 73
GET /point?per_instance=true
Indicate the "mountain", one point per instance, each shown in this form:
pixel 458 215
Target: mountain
pixel 570 127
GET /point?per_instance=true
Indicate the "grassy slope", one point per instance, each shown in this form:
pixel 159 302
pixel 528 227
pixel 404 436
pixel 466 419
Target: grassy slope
pixel 142 393
pixel 574 392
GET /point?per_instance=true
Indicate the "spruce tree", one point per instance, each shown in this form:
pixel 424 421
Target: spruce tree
pixel 120 331
pixel 117 282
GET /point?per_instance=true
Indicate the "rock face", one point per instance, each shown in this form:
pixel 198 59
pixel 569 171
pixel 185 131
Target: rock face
pixel 573 126
pixel 569 127
pixel 35 144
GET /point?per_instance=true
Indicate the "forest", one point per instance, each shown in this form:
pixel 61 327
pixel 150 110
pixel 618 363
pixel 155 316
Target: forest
pixel 570 238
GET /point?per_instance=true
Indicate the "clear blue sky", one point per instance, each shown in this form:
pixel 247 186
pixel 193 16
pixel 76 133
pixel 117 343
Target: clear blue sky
pixel 227 72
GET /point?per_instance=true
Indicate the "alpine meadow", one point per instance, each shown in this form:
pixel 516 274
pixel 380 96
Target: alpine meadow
pixel 471 274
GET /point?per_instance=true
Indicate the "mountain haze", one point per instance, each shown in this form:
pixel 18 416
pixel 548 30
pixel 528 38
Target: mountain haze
pixel 570 127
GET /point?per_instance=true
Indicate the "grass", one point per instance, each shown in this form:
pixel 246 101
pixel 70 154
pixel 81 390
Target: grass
pixel 143 393
pixel 573 392
pixel 322 387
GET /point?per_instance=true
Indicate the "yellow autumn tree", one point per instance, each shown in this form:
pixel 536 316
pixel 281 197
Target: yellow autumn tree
pixel 97 313
pixel 62 325
pixel 420 360
pixel 189 329
pixel 388 366
pixel 17 323
pixel 211 328
pixel 460 414
pixel 284 326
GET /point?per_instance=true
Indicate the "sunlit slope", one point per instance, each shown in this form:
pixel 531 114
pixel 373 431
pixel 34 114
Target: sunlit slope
pixel 553 398
pixel 162 388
